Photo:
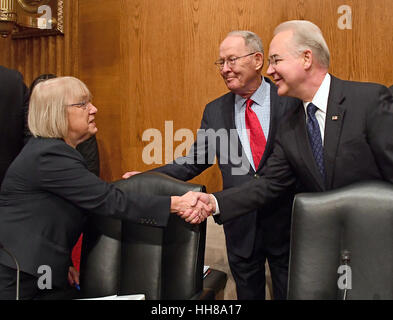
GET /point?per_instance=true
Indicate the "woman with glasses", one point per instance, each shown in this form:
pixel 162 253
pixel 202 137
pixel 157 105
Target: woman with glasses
pixel 48 189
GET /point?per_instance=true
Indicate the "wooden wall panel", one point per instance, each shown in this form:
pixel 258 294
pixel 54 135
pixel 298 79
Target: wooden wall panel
pixel 99 65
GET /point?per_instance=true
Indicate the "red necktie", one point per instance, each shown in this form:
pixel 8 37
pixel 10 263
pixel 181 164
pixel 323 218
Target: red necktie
pixel 255 134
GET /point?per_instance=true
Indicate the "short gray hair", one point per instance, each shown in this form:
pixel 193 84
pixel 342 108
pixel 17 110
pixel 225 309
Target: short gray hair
pixel 251 39
pixel 306 35
pixel 48 117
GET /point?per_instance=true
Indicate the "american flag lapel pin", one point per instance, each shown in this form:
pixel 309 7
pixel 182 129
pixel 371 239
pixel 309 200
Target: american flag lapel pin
pixel 334 118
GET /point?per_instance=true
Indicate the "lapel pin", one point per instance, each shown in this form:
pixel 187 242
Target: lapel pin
pixel 334 118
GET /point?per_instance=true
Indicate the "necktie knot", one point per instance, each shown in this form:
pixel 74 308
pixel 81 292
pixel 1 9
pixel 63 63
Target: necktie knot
pixel 249 103
pixel 311 109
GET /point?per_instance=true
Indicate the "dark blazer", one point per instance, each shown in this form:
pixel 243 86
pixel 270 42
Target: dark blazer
pixel 43 202
pixel 358 146
pixel 14 100
pixel 240 234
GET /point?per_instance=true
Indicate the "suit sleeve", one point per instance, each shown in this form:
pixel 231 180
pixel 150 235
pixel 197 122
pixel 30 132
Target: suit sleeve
pixel 380 126
pixel 276 178
pixel 199 158
pixel 62 172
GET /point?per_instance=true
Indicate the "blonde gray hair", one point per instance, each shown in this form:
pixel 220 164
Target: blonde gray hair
pixel 306 35
pixel 251 39
pixel 48 117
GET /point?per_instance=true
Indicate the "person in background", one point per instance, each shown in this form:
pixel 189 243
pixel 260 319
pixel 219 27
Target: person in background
pixel 47 191
pixel 14 100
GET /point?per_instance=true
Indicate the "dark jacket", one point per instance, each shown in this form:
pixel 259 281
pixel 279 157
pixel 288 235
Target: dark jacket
pixel 358 146
pixel 14 100
pixel 43 203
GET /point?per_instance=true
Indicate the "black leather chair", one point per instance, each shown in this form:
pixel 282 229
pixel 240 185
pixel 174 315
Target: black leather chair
pixel 123 258
pixel 356 218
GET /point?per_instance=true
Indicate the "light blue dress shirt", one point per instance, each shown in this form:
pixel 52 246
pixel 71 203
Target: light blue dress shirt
pixel 261 107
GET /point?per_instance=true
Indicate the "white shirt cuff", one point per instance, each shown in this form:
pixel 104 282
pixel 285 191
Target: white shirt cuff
pixel 217 207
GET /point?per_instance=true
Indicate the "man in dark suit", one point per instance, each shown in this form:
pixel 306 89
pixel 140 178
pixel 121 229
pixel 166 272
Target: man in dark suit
pixel 254 238
pixel 339 135
pixel 14 99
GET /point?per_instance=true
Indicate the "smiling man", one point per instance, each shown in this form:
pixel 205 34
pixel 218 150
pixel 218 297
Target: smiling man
pixel 340 134
pixel 252 106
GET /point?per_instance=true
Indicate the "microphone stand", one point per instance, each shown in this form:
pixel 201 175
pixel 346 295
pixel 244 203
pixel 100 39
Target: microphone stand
pixel 17 269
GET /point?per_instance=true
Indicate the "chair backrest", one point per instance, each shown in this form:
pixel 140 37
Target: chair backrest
pixel 119 257
pixel 356 218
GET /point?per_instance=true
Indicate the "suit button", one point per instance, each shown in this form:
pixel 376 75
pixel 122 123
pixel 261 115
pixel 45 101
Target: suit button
pixel 256 176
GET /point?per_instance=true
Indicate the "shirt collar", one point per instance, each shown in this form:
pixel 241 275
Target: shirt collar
pixel 258 96
pixel 321 96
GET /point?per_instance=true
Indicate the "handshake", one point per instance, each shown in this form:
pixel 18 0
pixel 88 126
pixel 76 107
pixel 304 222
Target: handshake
pixel 193 207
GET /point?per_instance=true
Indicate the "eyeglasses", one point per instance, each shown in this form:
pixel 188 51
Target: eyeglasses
pixel 274 60
pixel 83 105
pixel 230 61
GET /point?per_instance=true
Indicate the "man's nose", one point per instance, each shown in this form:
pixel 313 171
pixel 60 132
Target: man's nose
pixel 270 70
pixel 225 67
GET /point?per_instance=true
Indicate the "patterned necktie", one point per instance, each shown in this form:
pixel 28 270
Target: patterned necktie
pixel 314 135
pixel 255 134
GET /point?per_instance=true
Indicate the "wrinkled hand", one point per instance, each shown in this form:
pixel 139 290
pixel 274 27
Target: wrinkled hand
pixel 73 276
pixel 130 174
pixel 204 199
pixel 193 207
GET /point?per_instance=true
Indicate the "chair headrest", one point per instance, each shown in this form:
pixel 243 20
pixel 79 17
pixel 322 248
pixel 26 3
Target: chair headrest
pixel 157 183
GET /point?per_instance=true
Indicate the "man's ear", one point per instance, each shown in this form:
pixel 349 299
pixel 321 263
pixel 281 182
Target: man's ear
pixel 307 59
pixel 259 60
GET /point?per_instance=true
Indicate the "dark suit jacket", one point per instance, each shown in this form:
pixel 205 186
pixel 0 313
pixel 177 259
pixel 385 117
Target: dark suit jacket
pixel 240 233
pixel 358 146
pixel 43 202
pixel 14 99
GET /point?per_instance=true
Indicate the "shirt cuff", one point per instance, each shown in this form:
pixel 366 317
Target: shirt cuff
pixel 217 207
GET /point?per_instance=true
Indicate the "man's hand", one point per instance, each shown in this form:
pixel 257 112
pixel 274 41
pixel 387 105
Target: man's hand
pixel 130 174
pixel 193 207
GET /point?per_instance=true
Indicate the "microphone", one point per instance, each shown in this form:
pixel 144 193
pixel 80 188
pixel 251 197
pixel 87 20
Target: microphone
pixel 345 259
pixel 17 268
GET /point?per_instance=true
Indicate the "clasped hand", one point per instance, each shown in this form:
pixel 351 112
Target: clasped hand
pixel 193 207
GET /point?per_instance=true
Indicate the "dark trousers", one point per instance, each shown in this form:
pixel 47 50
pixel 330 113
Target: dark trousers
pixel 28 288
pixel 249 273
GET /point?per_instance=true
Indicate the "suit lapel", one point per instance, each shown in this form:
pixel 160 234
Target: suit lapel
pixel 333 125
pixel 229 122
pixel 304 147
pixel 229 113
pixel 275 105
